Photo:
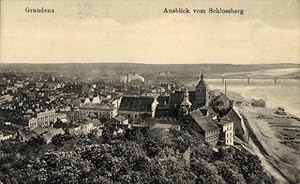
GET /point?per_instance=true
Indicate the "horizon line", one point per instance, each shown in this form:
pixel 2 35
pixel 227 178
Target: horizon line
pixel 32 63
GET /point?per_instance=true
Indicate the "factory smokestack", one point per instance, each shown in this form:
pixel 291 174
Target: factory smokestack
pixel 127 78
pixel 225 86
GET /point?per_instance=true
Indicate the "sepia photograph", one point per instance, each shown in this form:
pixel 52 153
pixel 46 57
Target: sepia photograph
pixel 149 92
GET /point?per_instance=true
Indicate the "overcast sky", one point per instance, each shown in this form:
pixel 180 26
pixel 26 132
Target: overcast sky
pixel 138 31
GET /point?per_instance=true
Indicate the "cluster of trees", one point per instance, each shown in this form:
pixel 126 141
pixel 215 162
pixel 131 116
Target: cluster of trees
pixel 140 156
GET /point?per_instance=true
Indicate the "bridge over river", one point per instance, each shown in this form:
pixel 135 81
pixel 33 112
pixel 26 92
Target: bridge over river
pixel 252 78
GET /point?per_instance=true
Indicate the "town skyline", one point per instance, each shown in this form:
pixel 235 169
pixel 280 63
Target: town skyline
pixel 173 107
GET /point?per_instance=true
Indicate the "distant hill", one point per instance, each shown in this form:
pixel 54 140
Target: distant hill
pixel 141 68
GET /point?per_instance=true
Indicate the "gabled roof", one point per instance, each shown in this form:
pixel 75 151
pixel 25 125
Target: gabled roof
pixel 232 115
pixel 205 123
pixel 136 103
pixel 120 118
pixel 196 113
pixel 51 133
pixel 97 106
pixel 222 99
pixel 223 121
pixel 207 110
pixel 106 106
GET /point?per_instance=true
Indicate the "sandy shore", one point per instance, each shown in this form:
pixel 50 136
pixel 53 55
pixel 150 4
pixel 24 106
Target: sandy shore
pixel 277 144
pixel 275 139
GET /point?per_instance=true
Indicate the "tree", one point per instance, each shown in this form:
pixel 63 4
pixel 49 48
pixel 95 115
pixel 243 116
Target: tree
pixel 228 174
pixel 141 156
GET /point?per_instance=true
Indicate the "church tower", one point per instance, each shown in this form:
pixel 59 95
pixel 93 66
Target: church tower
pixel 185 105
pixel 201 94
pixel 186 102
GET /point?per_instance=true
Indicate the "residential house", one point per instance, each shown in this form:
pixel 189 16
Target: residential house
pixel 42 119
pixel 119 119
pixel 50 133
pixel 74 129
pixel 227 131
pixel 82 128
pixel 101 110
pixel 87 127
pixel 5 136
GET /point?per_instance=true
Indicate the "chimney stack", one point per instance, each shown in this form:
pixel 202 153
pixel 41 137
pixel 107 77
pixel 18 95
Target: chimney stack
pixel 225 86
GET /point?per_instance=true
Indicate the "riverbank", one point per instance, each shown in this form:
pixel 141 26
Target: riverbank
pixel 277 138
pixel 274 138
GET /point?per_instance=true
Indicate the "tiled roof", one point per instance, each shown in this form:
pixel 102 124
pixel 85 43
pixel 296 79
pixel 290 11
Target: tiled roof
pixel 205 123
pixel 120 118
pixel 224 100
pixel 136 103
pixel 207 110
pixel 223 121
pixel 97 106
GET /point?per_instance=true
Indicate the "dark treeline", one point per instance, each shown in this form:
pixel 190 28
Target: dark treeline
pixel 138 157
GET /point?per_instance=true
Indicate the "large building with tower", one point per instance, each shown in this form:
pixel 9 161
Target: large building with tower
pixel 189 100
pixel 191 108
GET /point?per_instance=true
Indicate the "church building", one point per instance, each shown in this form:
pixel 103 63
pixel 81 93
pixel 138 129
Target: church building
pixel 188 100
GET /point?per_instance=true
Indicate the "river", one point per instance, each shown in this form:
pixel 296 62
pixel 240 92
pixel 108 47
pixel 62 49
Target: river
pixel 286 93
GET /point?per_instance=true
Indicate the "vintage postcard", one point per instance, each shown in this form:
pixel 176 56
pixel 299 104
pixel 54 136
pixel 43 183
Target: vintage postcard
pixel 139 91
